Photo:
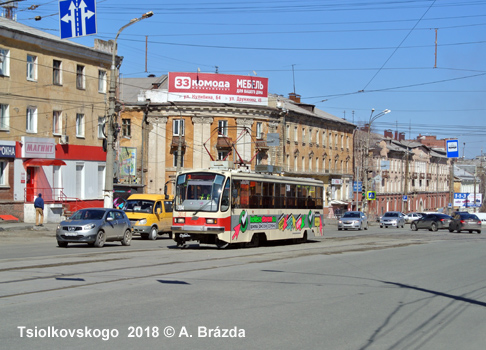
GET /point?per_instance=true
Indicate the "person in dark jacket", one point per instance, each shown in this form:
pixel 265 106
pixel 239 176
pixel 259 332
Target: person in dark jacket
pixel 39 210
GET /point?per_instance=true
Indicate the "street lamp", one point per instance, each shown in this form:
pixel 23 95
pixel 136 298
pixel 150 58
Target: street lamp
pixel 108 196
pixel 366 166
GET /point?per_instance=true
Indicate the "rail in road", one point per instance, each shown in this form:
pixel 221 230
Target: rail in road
pixel 48 275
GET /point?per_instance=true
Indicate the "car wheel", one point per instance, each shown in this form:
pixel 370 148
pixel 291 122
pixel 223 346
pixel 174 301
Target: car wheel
pixel 381 226
pixel 478 231
pixel 339 229
pixel 413 226
pixel 366 227
pixel 153 233
pixel 100 239
pixel 451 230
pixel 433 227
pixel 65 244
pixel 360 227
pixel 127 238
pixel 470 231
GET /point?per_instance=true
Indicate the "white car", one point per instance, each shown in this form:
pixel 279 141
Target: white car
pixel 392 219
pixel 411 217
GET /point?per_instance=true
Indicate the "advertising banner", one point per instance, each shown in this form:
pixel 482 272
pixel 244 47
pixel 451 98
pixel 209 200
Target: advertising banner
pixel 219 88
pixel 467 200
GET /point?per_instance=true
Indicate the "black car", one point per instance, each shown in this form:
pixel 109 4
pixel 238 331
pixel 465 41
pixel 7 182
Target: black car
pixel 432 222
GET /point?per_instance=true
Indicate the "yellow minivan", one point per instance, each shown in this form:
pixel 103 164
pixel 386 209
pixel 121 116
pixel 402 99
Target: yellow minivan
pixel 150 214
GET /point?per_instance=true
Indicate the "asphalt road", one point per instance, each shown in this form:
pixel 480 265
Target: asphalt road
pixel 375 289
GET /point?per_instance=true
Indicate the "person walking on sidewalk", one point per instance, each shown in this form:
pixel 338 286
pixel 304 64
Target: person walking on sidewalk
pixel 39 210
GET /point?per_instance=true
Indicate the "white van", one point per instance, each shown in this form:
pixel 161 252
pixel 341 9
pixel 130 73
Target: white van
pixel 482 217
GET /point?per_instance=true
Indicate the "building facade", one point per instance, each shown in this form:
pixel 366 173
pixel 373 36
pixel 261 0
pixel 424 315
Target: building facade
pixel 53 102
pixel 280 135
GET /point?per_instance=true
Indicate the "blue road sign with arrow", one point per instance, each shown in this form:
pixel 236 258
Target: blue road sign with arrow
pixel 77 18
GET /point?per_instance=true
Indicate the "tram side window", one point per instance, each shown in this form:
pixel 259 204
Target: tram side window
pixel 279 196
pixel 267 195
pixel 255 194
pixel 241 194
pixel 225 199
pixel 301 196
pixel 319 191
pixel 311 197
pixel 291 196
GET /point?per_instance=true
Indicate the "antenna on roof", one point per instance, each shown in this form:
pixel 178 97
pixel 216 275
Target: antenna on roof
pixel 293 77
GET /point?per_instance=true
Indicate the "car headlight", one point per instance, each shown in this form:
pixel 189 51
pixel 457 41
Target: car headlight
pixel 142 222
pixel 340 221
pixel 88 227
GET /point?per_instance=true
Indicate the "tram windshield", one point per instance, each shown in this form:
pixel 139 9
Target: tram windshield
pixel 198 191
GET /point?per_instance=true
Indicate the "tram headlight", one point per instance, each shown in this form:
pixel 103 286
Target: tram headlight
pixel 179 220
pixel 210 221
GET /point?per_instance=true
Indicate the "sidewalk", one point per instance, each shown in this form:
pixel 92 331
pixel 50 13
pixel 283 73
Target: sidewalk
pixel 9 228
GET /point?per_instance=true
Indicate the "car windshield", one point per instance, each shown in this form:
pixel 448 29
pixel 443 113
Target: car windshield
pixel 139 206
pixel 393 215
pixel 88 215
pixel 351 215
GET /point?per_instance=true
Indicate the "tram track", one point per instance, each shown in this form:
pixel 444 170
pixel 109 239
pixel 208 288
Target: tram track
pixel 135 267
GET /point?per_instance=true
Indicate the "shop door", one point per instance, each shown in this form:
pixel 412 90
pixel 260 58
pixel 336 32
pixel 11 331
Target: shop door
pixel 30 189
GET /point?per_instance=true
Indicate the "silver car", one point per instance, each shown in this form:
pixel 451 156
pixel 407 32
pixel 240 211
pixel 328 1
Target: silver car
pixel 95 226
pixel 353 220
pixel 410 217
pixel 392 219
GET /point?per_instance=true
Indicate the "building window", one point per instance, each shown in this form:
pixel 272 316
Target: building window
pixel 80 181
pixel 80 78
pixel 295 163
pixel 102 81
pixel 222 155
pixel 317 164
pixel 223 128
pixel 175 159
pixel 288 132
pixel 303 163
pixel 310 163
pixel 101 180
pixel 79 125
pixel 5 62
pixel 31 67
pixel 31 122
pixel 4 117
pixel 101 125
pixel 56 72
pixel 310 135
pixel 295 134
pixel 126 128
pixel 303 135
pixel 3 173
pixel 57 122
pixel 259 130
pixel 259 158
pixel 317 137
pixel 178 127
pixel 288 162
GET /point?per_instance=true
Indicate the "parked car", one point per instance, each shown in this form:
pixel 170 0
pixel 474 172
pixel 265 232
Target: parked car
pixel 410 217
pixel 432 222
pixel 95 226
pixel 353 220
pixel 392 219
pixel 465 222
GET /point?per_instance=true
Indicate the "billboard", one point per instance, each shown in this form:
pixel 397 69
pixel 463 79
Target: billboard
pixel 467 200
pixel 218 88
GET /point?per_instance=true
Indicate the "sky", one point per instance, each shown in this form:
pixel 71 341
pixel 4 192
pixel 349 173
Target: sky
pixel 422 59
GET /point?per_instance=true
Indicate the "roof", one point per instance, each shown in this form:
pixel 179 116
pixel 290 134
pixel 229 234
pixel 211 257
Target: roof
pixel 21 32
pixel 130 88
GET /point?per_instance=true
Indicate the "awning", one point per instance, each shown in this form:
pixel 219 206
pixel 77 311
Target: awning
pixel 43 162
pixel 336 202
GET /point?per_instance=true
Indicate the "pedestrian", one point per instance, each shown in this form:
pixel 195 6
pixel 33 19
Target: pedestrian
pixel 39 210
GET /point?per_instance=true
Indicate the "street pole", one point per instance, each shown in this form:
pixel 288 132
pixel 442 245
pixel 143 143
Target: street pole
pixel 110 154
pixel 366 167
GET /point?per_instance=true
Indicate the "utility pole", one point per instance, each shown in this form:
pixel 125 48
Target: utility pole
pixel 451 186
pixel 405 186
pixel 108 196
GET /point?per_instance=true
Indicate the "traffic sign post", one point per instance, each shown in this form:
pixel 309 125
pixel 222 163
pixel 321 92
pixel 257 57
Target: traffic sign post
pixel 77 18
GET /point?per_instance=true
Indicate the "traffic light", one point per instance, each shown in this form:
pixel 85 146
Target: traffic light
pixel 363 191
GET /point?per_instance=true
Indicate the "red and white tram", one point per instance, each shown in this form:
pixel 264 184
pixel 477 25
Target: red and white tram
pixel 226 207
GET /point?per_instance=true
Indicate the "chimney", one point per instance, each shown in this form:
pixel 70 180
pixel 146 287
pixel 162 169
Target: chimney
pixel 401 136
pixel 294 97
pixel 389 133
pixel 396 135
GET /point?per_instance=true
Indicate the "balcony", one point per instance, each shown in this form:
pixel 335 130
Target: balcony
pixel 414 175
pixel 224 142
pixel 175 143
pixel 422 176
pixel 261 145
pixel 429 176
